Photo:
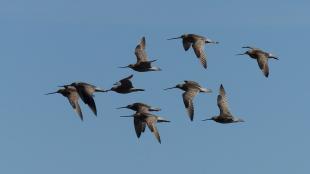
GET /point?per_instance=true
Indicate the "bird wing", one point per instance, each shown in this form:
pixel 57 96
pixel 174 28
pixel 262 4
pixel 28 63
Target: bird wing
pixel 186 44
pixel 73 98
pixel 188 97
pixel 151 123
pixel 190 82
pixel 198 47
pixel 126 83
pixel 139 126
pixel 262 61
pixel 87 99
pixel 140 51
pixel 222 102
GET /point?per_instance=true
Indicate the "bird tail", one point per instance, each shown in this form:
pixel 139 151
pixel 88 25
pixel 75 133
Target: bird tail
pixel 154 109
pixel 206 90
pixel 155 68
pixel 161 119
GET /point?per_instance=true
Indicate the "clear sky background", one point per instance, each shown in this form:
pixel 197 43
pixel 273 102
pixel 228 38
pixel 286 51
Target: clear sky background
pixel 44 44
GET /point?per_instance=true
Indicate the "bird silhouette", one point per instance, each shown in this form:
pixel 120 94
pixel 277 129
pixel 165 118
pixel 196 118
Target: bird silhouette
pixel 198 44
pixel 140 107
pixel 191 89
pixel 225 115
pixel 124 86
pixel 142 64
pixel 72 95
pixel 261 57
pixel 141 119
pixel 86 92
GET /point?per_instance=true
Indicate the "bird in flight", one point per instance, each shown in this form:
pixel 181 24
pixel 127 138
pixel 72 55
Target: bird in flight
pixel 198 44
pixel 261 57
pixel 141 119
pixel 225 115
pixel 86 92
pixel 72 95
pixel 191 89
pixel 142 64
pixel 124 86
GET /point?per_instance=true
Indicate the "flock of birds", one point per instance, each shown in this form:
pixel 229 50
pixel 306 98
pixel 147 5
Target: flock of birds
pixel 143 115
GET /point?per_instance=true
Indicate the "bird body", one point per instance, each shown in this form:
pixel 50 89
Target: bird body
pixel 191 89
pixel 72 95
pixel 225 115
pixel 142 64
pixel 140 107
pixel 261 57
pixel 125 86
pixel 197 42
pixel 86 92
pixel 143 119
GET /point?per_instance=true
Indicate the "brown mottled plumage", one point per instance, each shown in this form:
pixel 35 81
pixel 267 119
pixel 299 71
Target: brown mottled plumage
pixel 191 89
pixel 142 64
pixel 125 86
pixel 142 119
pixel 86 92
pixel 261 57
pixel 225 115
pixel 72 95
pixel 198 44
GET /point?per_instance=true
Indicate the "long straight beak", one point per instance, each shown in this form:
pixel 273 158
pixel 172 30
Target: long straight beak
pixel 170 88
pixel 207 119
pixel 123 107
pixel 127 116
pixel 124 66
pixel 51 93
pixel 248 47
pixel 63 86
pixel 240 54
pixel 174 38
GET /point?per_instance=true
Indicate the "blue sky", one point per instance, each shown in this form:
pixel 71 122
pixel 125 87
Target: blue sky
pixel 49 43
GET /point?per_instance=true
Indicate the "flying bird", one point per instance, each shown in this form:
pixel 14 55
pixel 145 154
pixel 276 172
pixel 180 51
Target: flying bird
pixel 142 64
pixel 72 95
pixel 140 107
pixel 198 44
pixel 86 92
pixel 142 119
pixel 124 86
pixel 261 57
pixel 191 89
pixel 225 115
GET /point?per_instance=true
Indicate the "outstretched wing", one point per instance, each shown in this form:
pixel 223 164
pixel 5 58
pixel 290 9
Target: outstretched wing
pixel 140 51
pixel 126 83
pixel 186 44
pixel 73 98
pixel 222 102
pixel 262 61
pixel 87 99
pixel 188 98
pixel 139 126
pixel 198 47
pixel 151 123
